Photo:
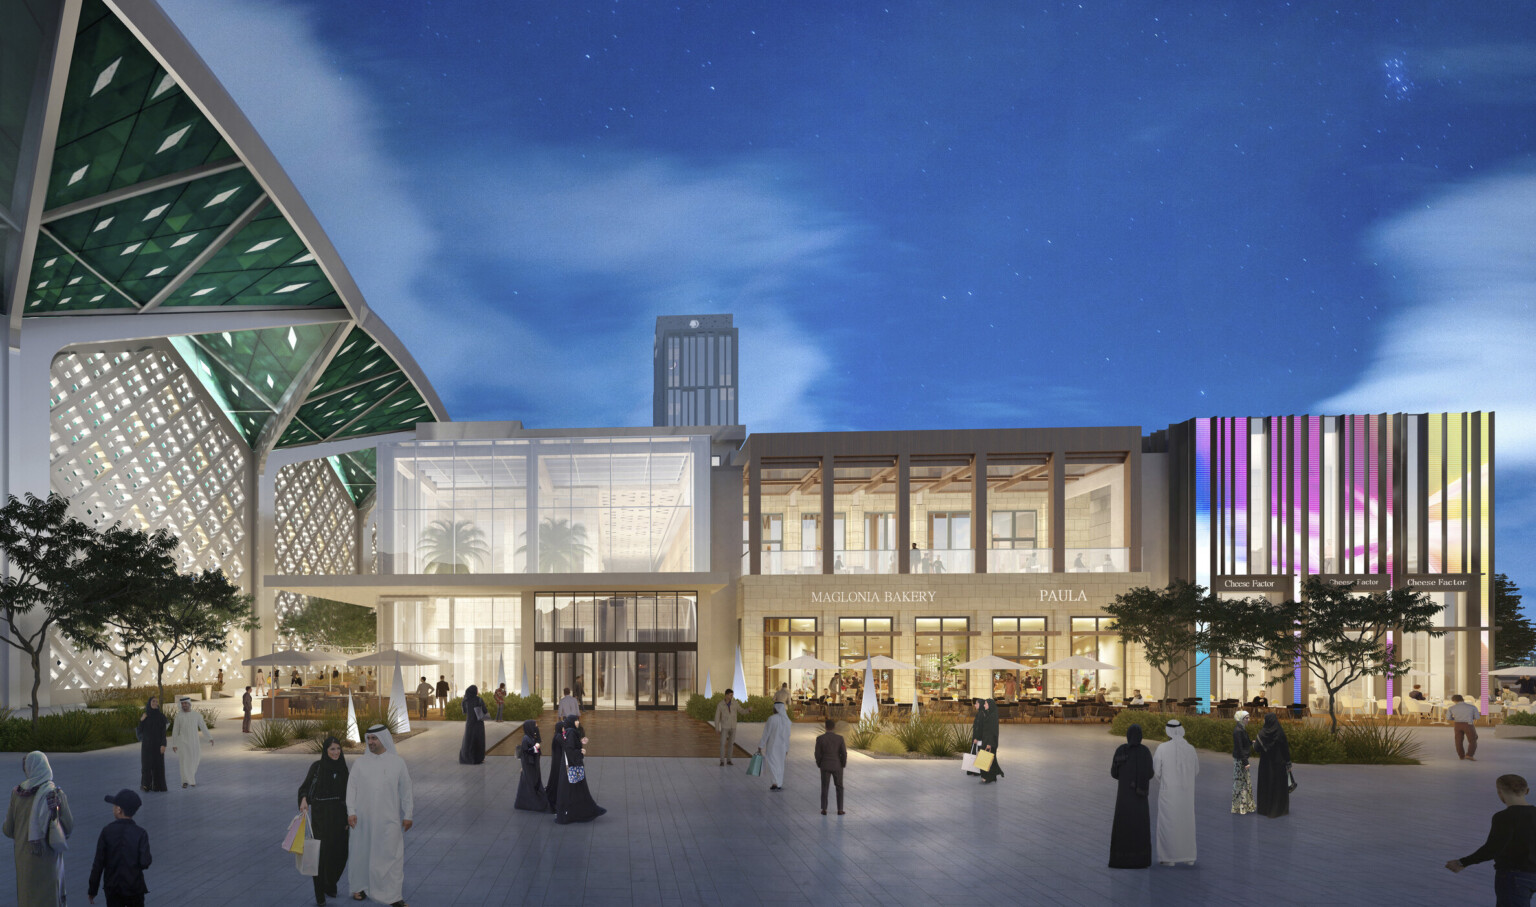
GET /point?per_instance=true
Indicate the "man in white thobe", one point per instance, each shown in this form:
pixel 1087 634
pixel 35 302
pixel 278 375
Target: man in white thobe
pixel 185 741
pixel 1174 766
pixel 379 810
pixel 775 744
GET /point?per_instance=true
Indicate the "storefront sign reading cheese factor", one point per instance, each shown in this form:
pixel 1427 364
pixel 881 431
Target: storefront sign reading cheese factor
pixel 888 595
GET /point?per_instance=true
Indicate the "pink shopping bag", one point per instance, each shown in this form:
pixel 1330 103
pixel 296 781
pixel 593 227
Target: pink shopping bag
pixel 295 829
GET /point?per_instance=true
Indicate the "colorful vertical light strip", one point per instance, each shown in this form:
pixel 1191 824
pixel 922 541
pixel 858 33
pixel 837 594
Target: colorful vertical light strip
pixel 1390 679
pixel 1484 530
pixel 1240 492
pixel 1389 473
pixel 1434 504
pixel 1203 540
pixel 1314 494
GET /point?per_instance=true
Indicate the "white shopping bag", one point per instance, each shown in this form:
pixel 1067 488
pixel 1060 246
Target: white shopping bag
pixel 309 860
pixel 968 761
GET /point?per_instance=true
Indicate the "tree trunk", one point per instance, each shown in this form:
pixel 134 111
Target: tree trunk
pixel 37 681
pixel 1332 714
pixel 160 681
pixel 128 670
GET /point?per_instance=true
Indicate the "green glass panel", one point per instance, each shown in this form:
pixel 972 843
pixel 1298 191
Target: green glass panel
pixel 401 411
pixel 201 208
pixel 264 264
pixel 357 471
pixel 247 410
pixel 123 119
pixel 297 433
pixel 359 359
pixel 332 412
pixel 268 359
pixel 60 283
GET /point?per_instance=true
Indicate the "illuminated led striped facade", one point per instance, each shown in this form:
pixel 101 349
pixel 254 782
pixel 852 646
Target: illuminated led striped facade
pixel 1408 496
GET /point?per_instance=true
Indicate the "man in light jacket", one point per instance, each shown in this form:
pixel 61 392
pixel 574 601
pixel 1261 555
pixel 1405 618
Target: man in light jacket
pixel 725 722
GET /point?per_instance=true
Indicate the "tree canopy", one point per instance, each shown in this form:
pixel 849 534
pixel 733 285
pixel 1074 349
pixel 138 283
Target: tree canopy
pixel 1514 643
pixel 1173 624
pixel 321 622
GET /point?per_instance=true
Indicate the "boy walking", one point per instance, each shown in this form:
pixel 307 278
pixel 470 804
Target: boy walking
pixel 1511 844
pixel 122 855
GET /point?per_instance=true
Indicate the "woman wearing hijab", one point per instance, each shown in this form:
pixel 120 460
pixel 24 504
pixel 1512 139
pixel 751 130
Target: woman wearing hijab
pixel 575 803
pixel 530 787
pixel 1274 751
pixel 324 795
pixel 1242 788
pixel 556 766
pixel 775 744
pixel 39 868
pixel 152 726
pixel 1130 838
pixel 472 750
pixel 1175 765
pixel 984 735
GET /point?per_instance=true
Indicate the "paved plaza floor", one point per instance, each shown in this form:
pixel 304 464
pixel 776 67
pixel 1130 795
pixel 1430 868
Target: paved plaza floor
pixel 685 831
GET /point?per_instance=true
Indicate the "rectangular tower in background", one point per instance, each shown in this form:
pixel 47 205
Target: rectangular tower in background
pixel 696 370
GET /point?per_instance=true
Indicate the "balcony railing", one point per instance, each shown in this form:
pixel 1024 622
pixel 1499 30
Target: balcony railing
pixel 943 560
pixel 1018 560
pixel 1098 560
pixel 859 561
pixel 781 563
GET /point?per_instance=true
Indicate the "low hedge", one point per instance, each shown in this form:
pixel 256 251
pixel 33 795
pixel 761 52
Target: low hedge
pixel 516 708
pixel 1526 719
pixel 758 708
pixel 74 731
pixel 113 697
pixel 1374 744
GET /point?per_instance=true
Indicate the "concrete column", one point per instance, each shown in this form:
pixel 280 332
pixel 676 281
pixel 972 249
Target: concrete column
pixel 980 521
pixel 754 515
pixel 1059 511
pixel 828 503
pixel 903 513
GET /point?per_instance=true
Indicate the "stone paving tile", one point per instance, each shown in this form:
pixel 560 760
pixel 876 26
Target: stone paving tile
pixel 685 831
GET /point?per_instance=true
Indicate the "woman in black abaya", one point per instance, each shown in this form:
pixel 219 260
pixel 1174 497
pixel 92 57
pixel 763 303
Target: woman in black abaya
pixel 152 726
pixel 556 765
pixel 575 803
pixel 472 750
pixel 1274 792
pixel 530 787
pixel 324 794
pixel 1130 838
pixel 984 733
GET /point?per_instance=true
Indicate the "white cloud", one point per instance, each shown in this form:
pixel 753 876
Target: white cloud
pixel 675 238
pixel 1465 340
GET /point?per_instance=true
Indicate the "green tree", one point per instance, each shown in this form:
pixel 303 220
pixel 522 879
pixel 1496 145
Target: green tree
pixel 1184 626
pixel 180 613
pixel 323 622
pixel 1515 640
pixel 563 546
pixel 61 577
pixel 453 546
pixel 1341 637
pixel 151 559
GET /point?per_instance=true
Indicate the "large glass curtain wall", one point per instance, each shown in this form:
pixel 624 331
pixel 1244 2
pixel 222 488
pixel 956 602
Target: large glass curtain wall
pixel 785 638
pixel 1020 639
pixel 617 650
pixel 1095 638
pixel 575 505
pixel 475 636
pixel 859 638
pixel 941 644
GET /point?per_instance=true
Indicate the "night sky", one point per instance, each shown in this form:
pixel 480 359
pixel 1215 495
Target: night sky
pixel 929 215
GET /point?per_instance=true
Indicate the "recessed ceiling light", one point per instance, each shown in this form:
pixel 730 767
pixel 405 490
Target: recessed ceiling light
pixel 107 222
pixel 167 82
pixel 203 292
pixel 131 248
pixel 155 271
pixel 184 240
pixel 294 286
pixel 222 197
pixel 172 139
pixel 78 175
pixel 105 78
pixel 73 281
pixel 156 212
pixel 293 339
pixel 307 256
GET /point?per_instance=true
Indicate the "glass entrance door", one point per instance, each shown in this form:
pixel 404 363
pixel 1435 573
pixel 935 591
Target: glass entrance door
pixel 574 672
pixel 655 680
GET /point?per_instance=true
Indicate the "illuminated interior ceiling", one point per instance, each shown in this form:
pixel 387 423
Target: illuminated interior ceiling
pixel 160 197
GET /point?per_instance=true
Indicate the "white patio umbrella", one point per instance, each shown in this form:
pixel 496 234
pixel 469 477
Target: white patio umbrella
pixel 1077 663
pixel 992 663
pixel 882 663
pixel 740 683
pixel 386 657
pixel 1517 671
pixel 803 663
pixel 871 703
pixel 287 658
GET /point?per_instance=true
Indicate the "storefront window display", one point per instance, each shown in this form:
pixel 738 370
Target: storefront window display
pixel 1020 639
pixel 1095 638
pixel 859 638
pixel 785 638
pixel 942 643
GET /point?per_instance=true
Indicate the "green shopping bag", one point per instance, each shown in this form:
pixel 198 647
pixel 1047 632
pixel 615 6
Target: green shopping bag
pixel 755 767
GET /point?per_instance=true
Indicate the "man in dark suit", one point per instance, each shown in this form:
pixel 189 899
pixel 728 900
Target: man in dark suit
pixel 831 758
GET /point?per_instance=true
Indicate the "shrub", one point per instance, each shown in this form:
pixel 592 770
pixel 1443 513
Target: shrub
pixel 209 716
pixel 887 745
pixel 63 731
pixel 16 735
pixel 1309 745
pixel 272 734
pixel 379 714
pixel 917 732
pixel 454 710
pixel 863 734
pixel 1527 719
pixel 521 708
pixel 1313 745
pixel 758 708
pixel 1379 743
pixel 108 697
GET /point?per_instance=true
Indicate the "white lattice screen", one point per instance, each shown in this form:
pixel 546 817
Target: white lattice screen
pixel 315 526
pixel 133 441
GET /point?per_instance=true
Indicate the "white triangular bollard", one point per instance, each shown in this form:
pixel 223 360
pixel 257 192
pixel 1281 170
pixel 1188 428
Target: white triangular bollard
pixel 526 691
pixel 914 697
pixel 501 670
pixel 397 707
pixel 352 735
pixel 708 689
pixel 739 683
pixel 871 703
